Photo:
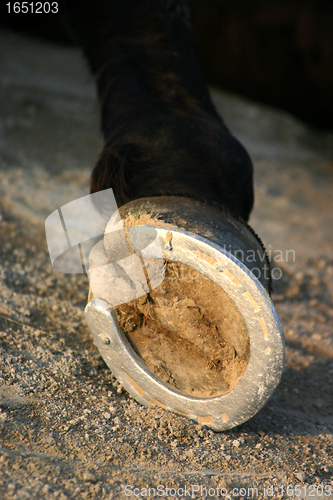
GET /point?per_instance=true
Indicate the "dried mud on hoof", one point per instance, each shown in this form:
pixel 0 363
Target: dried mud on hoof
pixel 188 332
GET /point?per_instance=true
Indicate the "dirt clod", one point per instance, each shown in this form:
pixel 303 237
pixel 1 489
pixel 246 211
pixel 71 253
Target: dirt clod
pixel 189 333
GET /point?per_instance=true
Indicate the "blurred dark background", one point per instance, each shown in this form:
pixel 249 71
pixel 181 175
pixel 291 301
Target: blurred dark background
pixel 279 52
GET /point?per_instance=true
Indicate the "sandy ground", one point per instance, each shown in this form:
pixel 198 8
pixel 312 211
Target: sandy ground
pixel 68 430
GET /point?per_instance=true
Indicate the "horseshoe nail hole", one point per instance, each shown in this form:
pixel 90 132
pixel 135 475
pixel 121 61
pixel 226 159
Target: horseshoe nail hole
pixel 188 332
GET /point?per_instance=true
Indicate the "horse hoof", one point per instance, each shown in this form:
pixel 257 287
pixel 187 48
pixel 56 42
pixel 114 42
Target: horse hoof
pixel 181 313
